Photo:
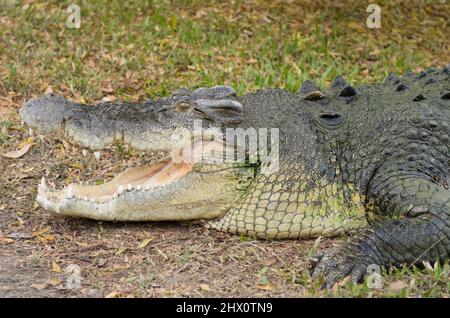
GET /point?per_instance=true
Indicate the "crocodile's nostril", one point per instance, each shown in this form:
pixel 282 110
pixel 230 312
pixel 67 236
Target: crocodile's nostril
pixel 331 118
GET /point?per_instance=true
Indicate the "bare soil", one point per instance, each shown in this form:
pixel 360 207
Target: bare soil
pixel 162 259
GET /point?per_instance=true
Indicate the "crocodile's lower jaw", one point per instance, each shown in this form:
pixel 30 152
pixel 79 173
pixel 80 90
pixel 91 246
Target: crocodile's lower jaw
pixel 132 181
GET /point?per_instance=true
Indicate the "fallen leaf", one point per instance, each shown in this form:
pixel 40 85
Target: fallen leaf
pixel 40 286
pixel 15 154
pixel 55 267
pixel 108 88
pixel 264 287
pixel 145 242
pixel 355 26
pixel 54 282
pixel 120 250
pixel 269 261
pixel 113 295
pixel 82 244
pixel 204 287
pixel 120 267
pixel 49 90
pixel 41 231
pixel 397 285
pixel 7 240
pixel 101 261
pixel 375 52
pixel 48 238
pixel 109 98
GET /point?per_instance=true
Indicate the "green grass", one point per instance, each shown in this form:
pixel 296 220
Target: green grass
pixel 141 49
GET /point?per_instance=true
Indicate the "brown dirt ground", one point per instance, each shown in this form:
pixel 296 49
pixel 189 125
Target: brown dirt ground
pixel 178 260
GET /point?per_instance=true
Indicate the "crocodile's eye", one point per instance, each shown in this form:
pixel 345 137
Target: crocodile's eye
pixel 182 106
pixel 331 118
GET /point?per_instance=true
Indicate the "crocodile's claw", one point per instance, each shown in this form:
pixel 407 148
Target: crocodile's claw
pixel 336 264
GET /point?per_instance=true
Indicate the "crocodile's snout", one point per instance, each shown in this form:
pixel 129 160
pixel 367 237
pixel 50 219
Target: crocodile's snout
pixel 48 113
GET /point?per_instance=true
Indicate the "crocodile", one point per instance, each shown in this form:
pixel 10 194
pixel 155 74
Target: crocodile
pixel 370 162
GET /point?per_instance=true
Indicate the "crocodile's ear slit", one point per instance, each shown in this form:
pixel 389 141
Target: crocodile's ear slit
pixel 339 82
pixel 308 87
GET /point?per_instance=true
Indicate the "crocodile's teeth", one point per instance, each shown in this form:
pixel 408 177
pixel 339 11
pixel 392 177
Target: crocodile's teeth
pixel 97 155
pixel 86 199
pixel 138 187
pixel 84 152
pixel 129 187
pixel 69 192
pixel 120 190
pixel 23 123
pixel 30 131
pixel 147 187
pixel 92 200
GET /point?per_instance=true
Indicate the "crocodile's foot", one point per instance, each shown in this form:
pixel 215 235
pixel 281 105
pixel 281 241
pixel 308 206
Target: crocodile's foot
pixel 335 264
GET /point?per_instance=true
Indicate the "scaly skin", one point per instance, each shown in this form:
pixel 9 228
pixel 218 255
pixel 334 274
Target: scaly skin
pixel 372 160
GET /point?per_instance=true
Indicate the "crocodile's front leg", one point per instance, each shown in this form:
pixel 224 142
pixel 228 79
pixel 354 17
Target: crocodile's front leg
pixel 420 233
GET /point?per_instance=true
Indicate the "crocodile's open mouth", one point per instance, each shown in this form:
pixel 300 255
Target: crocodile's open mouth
pixel 178 187
pixel 200 183
pixel 138 178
